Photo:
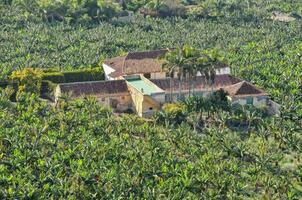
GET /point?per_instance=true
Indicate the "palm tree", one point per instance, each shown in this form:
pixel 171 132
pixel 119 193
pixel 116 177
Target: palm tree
pixel 187 61
pixel 207 64
pixel 177 61
pixel 190 67
pixel 170 65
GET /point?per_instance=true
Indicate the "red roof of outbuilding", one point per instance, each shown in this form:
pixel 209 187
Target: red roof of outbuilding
pixel 139 63
pixel 94 88
pixel 199 84
pixel 244 88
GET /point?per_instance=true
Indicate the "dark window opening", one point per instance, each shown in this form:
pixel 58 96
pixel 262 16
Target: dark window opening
pixel 147 75
pixel 249 101
pixel 114 103
pixel 150 108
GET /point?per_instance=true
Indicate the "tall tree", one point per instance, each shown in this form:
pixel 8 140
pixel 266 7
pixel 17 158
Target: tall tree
pixel 207 64
pixel 174 61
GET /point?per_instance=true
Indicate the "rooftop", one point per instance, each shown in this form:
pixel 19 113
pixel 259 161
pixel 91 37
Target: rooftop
pixel 138 63
pixel 234 86
pixel 143 86
pixel 94 88
pixel 199 83
pixel 244 88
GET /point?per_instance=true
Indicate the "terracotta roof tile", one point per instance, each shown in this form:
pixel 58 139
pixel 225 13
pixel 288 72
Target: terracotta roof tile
pixel 116 62
pixel 199 84
pixel 94 88
pixel 244 88
pixel 138 63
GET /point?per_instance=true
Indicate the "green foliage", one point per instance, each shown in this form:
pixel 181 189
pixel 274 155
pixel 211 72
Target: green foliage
pixel 83 151
pixel 219 101
pixel 71 11
pixel 55 77
pixel 80 150
pixel 164 8
pixel 171 114
pixel 29 80
pixel 5 95
pixel 94 74
pixel 47 89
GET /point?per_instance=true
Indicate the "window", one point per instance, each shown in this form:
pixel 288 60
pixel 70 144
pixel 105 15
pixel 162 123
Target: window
pixel 150 108
pixel 249 101
pixel 113 103
pixel 103 99
pixel 123 98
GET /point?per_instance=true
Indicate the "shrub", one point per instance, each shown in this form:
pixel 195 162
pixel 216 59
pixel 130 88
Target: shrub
pixel 47 89
pixel 171 114
pixel 4 84
pixel 95 74
pixel 55 77
pixel 29 80
pixel 84 75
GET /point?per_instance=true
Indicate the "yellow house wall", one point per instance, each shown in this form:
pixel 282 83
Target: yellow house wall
pixel 143 103
pixel 148 103
pixel 137 100
pixel 124 100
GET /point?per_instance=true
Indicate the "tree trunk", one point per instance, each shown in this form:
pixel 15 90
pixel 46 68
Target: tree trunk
pixel 179 88
pixel 189 85
pixel 171 95
pixel 193 86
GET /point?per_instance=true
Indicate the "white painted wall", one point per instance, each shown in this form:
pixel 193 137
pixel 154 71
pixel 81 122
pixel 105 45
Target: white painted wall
pixel 258 102
pixel 225 70
pixel 108 70
pixel 158 75
pixel 221 71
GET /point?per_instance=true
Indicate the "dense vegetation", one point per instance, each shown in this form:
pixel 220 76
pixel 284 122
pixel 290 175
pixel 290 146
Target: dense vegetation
pixel 79 149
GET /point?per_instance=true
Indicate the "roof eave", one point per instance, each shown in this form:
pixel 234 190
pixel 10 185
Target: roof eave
pixel 250 95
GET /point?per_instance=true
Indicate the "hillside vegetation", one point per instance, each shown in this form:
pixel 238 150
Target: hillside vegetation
pixel 80 150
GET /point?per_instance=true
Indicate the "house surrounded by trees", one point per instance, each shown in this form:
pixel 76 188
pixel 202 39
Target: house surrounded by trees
pixel 144 81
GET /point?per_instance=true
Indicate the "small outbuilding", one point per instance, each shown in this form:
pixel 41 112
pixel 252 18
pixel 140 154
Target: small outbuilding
pixel 109 93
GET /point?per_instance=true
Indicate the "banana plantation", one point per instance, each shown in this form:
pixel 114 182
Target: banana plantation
pixel 78 149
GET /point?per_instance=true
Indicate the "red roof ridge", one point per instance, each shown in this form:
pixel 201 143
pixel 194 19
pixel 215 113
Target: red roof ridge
pixel 244 88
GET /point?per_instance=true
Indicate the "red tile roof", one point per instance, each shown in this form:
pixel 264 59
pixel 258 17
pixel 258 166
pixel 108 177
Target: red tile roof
pixel 94 88
pixel 244 88
pixel 138 63
pixel 199 84
pixel 234 86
